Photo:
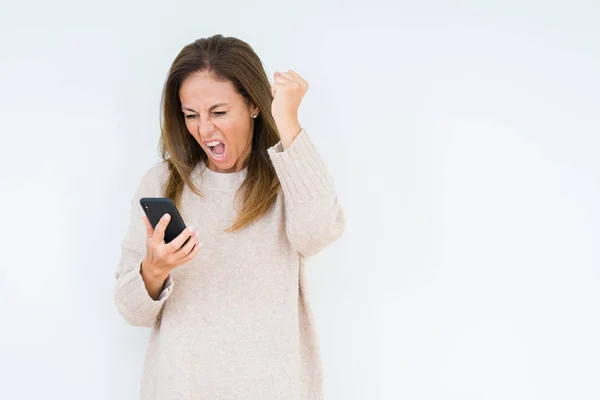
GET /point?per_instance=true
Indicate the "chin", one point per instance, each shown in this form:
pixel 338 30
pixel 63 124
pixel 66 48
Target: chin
pixel 228 164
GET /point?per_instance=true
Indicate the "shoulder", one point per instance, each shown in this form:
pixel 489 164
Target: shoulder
pixel 157 171
pixel 154 179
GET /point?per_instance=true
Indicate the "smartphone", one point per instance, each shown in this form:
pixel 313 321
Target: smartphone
pixel 156 207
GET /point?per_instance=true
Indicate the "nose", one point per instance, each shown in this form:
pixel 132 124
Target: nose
pixel 206 127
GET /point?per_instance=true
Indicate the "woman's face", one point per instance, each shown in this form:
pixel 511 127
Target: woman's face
pixel 219 119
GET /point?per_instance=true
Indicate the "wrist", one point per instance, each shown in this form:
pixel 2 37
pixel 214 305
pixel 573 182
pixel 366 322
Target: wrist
pixel 151 272
pixel 288 131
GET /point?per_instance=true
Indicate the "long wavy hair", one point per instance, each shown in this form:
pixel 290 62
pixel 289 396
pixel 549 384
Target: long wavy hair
pixel 233 60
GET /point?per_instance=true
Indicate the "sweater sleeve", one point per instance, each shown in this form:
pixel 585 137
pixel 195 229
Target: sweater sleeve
pixel 313 215
pixel 130 295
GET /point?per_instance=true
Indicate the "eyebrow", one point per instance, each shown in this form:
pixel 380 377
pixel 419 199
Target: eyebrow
pixel 213 107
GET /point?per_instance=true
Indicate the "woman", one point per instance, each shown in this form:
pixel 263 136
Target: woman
pixel 229 314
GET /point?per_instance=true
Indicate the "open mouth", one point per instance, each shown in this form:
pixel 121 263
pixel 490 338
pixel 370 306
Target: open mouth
pixel 217 149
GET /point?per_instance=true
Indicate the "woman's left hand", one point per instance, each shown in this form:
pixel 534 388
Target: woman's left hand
pixel 288 90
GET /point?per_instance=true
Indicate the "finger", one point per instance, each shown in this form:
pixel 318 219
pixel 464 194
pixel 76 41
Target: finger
pixel 294 73
pixel 290 82
pixel 279 86
pixel 188 247
pixel 192 253
pixel 298 77
pixel 176 243
pixel 159 230
pixel 285 78
pixel 149 228
pixel 289 74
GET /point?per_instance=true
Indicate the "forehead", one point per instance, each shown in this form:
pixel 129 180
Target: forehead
pixel 202 90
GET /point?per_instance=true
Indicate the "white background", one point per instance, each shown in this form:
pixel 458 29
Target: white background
pixel 464 142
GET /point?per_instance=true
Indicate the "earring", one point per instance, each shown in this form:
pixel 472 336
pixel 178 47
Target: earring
pixel 255 115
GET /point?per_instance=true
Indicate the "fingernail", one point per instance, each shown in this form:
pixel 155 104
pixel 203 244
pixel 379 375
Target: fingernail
pixel 166 216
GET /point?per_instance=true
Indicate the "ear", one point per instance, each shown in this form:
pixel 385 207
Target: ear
pixel 254 111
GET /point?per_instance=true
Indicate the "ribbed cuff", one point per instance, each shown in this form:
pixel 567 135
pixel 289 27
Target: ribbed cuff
pixel 168 288
pixel 133 298
pixel 301 170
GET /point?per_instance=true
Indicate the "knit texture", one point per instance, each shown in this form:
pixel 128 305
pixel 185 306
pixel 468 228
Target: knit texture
pixel 235 322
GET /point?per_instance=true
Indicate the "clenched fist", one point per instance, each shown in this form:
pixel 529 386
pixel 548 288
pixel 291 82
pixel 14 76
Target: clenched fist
pixel 288 90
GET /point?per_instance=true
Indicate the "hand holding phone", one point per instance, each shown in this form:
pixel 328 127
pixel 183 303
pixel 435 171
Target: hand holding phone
pixel 163 251
pixel 156 207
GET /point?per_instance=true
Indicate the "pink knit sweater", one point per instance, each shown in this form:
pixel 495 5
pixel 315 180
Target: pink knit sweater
pixel 235 322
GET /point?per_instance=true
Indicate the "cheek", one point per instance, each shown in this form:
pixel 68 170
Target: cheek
pixel 192 127
pixel 237 132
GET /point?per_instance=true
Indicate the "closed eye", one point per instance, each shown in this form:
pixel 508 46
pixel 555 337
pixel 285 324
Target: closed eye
pixel 218 114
